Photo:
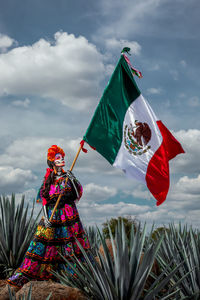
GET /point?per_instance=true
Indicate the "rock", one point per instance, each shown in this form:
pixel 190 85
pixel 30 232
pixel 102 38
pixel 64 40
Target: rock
pixel 4 290
pixel 3 283
pixel 42 289
pixel 4 293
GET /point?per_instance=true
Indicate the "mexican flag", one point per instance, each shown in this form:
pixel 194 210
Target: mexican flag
pixel 125 130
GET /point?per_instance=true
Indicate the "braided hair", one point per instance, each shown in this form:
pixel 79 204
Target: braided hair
pixel 50 180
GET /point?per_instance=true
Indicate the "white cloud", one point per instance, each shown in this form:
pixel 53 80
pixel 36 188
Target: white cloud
pixel 15 179
pixel 22 103
pixel 129 18
pixel 93 213
pixel 68 69
pixel 154 91
pixel 142 192
pixel 98 193
pixel 29 195
pixel 115 44
pixel 182 204
pixel 189 185
pixel 177 207
pixel 109 69
pixel 189 161
pixel 30 153
pixel 185 194
pixel 5 42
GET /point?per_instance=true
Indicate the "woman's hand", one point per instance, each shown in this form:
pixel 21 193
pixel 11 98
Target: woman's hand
pixel 47 223
pixel 70 175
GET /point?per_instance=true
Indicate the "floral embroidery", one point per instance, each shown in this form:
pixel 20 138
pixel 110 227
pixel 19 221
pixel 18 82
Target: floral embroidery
pixel 43 253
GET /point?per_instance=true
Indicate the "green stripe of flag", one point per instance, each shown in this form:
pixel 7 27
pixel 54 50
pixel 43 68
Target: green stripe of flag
pixel 105 131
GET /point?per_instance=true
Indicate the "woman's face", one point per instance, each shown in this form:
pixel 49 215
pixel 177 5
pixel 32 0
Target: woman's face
pixel 59 160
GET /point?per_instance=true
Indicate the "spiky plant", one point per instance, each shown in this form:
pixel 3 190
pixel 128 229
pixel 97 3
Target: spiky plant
pixel 16 232
pixel 93 236
pixel 182 244
pixel 121 277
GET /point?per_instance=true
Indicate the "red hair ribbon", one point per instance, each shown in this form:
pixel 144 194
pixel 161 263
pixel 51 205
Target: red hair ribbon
pixel 83 149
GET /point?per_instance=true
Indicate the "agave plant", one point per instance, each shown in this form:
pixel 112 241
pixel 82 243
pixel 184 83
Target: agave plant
pixel 93 236
pixel 16 232
pixel 122 277
pixel 180 244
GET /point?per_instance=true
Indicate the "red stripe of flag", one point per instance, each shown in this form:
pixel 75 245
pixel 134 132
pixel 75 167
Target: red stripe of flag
pixel 157 177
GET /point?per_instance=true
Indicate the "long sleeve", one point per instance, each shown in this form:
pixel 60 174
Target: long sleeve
pixel 77 188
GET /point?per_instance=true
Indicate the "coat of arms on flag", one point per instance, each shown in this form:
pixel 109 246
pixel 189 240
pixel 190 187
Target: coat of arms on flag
pixel 137 137
pixel 125 130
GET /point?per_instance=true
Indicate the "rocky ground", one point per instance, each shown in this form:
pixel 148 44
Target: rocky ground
pixel 41 290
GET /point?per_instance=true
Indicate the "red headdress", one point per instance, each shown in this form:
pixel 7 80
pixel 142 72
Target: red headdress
pixel 53 150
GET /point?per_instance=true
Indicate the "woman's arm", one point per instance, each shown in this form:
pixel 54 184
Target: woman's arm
pixel 77 189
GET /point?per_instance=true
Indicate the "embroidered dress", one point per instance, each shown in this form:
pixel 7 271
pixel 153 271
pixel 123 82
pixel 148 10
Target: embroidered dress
pixel 42 255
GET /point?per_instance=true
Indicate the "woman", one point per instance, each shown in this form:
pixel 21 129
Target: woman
pixel 56 236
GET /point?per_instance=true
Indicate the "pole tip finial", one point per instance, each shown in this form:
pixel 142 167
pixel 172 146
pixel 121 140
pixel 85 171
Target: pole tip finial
pixel 127 50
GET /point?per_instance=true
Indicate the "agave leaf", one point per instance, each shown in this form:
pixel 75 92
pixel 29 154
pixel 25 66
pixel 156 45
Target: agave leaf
pixel 136 247
pixel 4 259
pixel 182 245
pixel 108 278
pixel 49 296
pixel 145 268
pixel 116 271
pixel 149 238
pixel 29 293
pixel 195 254
pixel 95 271
pixel 81 275
pixel 11 293
pixel 177 283
pixel 171 295
pixel 124 276
pixel 161 285
pixel 108 260
pixel 28 233
pixel 16 231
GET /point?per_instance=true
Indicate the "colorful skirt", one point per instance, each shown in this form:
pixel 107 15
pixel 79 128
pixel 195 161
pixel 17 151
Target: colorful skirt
pixel 43 256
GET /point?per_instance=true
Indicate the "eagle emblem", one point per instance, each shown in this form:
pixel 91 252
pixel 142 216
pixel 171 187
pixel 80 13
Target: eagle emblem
pixel 137 137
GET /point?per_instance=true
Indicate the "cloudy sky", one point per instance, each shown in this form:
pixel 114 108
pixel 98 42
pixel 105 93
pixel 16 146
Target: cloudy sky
pixel 55 60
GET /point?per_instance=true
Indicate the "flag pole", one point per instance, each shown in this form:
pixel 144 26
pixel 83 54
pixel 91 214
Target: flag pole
pixel 66 180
